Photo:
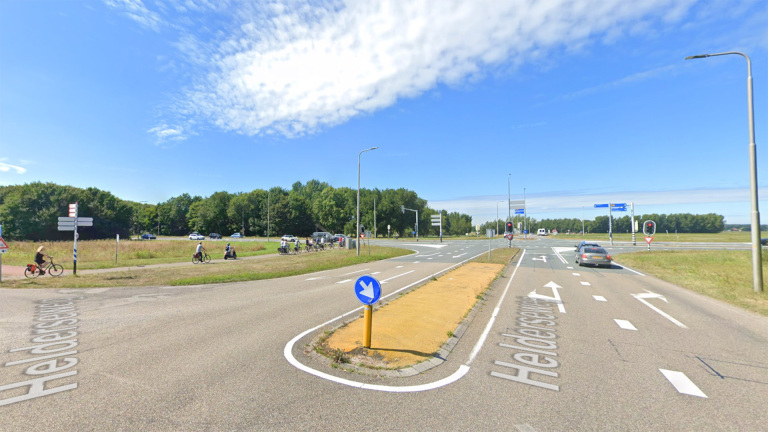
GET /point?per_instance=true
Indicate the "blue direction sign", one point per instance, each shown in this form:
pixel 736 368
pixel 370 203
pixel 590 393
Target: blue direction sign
pixel 367 289
pixel 601 205
pixel 619 205
pixel 519 211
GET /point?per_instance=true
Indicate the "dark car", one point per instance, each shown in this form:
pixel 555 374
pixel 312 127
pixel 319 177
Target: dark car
pixel 148 236
pixel 595 256
pixel 214 236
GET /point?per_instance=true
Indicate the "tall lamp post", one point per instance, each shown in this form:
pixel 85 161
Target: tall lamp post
pixel 757 259
pixel 357 239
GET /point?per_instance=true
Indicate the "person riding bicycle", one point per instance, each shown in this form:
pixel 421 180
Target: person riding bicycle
pixel 229 252
pixel 39 258
pixel 199 250
pixel 283 245
pixel 296 243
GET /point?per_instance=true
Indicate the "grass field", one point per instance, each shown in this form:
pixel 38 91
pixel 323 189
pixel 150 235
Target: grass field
pixel 266 267
pixel 723 275
pixel 726 237
pixel 97 254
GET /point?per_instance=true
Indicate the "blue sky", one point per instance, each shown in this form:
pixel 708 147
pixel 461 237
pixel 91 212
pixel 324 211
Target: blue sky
pixel 582 102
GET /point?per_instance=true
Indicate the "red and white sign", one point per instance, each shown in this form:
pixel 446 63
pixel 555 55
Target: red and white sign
pixel 648 240
pixel 509 236
pixel 73 210
pixel 3 245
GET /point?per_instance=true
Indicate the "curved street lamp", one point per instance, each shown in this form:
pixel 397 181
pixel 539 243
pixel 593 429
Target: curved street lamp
pixel 357 236
pixel 757 259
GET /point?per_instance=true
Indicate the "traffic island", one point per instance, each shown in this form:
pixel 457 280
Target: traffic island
pixel 413 332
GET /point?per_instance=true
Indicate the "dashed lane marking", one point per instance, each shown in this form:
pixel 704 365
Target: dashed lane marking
pixel 585 283
pixel 682 383
pixel 599 298
pixel 624 324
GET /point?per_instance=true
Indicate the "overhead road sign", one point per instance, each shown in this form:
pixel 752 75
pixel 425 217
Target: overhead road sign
pixel 519 211
pixel 601 205
pixel 619 205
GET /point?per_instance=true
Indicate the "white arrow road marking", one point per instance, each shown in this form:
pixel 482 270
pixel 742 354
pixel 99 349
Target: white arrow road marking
pixel 541 258
pixel 626 325
pixel 648 294
pixel 554 299
pixel 682 383
pixel 367 290
pixel 599 298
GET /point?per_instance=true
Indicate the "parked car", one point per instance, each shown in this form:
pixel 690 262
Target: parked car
pixel 214 236
pixel 236 235
pixel 318 235
pixel 288 238
pixel 148 236
pixel 339 237
pixel 595 256
pixel 196 236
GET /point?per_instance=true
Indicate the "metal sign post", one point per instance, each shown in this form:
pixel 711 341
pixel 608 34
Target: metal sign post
pixel 70 224
pixel 368 291
pixel 437 220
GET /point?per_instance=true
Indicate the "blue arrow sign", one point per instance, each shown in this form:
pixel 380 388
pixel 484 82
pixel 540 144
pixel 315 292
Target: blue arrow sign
pixel 619 209
pixel 601 205
pixel 519 211
pixel 367 289
pixel 619 205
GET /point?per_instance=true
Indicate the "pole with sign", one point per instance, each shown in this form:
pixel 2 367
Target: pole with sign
pixel 649 229
pixel 437 220
pixel 70 224
pixel 368 291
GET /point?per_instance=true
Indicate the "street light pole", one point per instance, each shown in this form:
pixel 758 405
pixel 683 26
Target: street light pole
pixel 757 259
pixel 357 239
pixel 509 200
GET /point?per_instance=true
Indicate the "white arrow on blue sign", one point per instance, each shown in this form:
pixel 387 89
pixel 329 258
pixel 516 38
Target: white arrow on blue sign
pixel 601 205
pixel 367 289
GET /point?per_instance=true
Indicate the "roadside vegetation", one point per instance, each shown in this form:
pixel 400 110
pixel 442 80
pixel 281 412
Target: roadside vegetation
pixel 256 268
pixel 721 274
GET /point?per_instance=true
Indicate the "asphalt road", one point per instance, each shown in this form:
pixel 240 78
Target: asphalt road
pixel 218 357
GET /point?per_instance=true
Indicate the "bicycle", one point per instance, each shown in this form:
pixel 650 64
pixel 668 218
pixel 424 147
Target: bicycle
pixel 196 258
pixel 33 270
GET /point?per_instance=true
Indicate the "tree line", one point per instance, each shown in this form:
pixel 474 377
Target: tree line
pixel 31 211
pixel 677 222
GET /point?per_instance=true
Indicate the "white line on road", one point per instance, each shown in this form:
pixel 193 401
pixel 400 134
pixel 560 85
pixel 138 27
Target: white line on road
pixel 357 271
pixel 599 298
pixel 344 281
pixel 315 278
pixel 626 325
pixel 460 255
pixel 627 268
pixel 682 383
pixel 585 283
pixel 399 267
pixel 576 274
pixel 642 296
pixel 394 277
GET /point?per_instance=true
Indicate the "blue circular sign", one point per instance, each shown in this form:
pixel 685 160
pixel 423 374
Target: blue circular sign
pixel 367 289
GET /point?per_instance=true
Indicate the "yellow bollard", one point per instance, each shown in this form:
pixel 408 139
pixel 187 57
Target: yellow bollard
pixel 368 315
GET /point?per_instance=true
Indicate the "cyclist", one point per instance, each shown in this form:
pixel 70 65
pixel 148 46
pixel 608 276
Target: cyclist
pixel 39 258
pixel 229 252
pixel 296 244
pixel 199 250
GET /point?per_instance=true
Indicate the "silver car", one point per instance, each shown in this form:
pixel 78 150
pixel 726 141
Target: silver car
pixel 595 256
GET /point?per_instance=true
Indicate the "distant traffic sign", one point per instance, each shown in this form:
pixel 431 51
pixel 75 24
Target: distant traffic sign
pixel 601 205
pixel 648 240
pixel 367 289
pixel 519 211
pixel 619 205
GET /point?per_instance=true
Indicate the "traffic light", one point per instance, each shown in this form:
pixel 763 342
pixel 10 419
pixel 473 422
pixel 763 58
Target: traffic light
pixel 649 228
pixel 509 227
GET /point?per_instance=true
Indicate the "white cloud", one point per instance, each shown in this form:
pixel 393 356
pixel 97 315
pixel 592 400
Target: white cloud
pixel 165 133
pixel 294 68
pixel 137 11
pixel 4 167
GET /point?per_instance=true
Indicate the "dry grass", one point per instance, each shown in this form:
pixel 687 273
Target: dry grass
pixel 724 275
pixel 266 267
pixel 98 254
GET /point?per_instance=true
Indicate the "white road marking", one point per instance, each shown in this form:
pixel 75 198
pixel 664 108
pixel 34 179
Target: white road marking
pixel 399 267
pixel 416 262
pixel 394 277
pixel 540 258
pixel 315 278
pixel 460 255
pixel 375 273
pixel 344 281
pixel 356 271
pixel 576 274
pixel 682 383
pixel 627 268
pixel 425 245
pixel 599 298
pixel 554 299
pixel 557 251
pixel 642 296
pixel 626 325
pixel 585 283
pixel 569 268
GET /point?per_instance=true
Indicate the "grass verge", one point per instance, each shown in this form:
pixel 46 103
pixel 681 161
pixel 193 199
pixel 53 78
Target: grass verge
pixel 723 275
pixel 267 267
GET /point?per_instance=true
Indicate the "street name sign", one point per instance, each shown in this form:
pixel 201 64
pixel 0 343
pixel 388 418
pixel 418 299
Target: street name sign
pixel 367 289
pixel 601 205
